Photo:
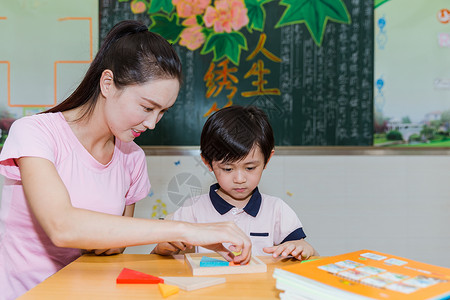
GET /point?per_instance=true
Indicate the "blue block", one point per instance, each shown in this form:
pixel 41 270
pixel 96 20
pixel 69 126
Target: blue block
pixel 213 262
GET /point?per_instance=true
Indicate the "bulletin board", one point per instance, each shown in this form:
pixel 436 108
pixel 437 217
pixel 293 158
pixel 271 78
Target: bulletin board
pixel 307 64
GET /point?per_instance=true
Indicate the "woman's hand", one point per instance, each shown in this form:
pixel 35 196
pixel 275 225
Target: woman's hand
pixel 214 235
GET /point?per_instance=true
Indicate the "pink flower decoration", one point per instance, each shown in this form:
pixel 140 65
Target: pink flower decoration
pixel 188 8
pixel 191 21
pixel 227 15
pixel 192 37
pixel 137 7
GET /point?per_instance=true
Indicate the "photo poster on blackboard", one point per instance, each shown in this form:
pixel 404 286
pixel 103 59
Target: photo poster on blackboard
pixel 307 64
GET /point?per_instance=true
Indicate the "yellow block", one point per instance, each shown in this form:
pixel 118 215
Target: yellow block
pixel 167 289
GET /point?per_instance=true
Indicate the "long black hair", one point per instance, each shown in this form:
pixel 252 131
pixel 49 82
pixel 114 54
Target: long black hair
pixel 134 55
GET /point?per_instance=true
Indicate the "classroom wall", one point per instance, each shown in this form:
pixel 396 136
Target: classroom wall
pixel 395 204
pixel 398 204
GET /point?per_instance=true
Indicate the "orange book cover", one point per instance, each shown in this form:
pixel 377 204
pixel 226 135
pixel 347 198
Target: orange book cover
pixel 378 275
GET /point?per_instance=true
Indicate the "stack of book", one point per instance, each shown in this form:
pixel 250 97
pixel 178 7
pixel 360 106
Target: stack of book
pixel 363 274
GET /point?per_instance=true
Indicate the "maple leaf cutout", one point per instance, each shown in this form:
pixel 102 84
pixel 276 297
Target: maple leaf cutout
pixel 315 14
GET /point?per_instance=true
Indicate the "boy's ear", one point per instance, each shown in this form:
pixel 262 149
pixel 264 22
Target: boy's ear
pixel 270 156
pixel 106 82
pixel 206 163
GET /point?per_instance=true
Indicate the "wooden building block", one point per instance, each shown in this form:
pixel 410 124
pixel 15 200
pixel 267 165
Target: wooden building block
pixel 132 276
pixel 213 262
pixel 193 260
pixel 193 283
pixel 167 290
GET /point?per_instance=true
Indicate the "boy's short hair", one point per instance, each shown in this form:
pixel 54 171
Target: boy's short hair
pixel 232 132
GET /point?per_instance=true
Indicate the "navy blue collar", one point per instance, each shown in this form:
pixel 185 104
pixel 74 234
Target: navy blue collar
pixel 222 206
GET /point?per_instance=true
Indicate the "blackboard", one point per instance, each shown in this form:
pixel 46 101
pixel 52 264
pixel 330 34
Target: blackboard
pixel 324 81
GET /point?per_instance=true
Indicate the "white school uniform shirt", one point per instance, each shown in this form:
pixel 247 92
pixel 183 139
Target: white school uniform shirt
pixel 267 220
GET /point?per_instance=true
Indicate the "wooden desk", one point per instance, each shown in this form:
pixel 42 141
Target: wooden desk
pixel 94 277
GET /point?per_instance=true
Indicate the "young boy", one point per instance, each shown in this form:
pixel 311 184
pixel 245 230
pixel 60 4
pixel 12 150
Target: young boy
pixel 236 144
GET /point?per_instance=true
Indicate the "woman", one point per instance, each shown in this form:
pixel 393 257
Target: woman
pixel 73 173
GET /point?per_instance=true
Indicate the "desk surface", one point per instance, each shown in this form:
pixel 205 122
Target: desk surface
pixel 94 277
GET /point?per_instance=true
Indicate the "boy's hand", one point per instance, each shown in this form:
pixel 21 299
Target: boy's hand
pixel 104 251
pixel 169 248
pixel 299 249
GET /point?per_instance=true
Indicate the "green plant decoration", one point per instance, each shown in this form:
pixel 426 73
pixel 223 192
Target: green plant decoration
pixel 216 26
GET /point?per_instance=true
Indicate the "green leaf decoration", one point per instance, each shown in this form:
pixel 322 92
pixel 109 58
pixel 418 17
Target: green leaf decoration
pixel 168 27
pixel 379 2
pixel 315 14
pixel 199 20
pixel 225 45
pixel 256 14
pixel 157 5
pixel 207 32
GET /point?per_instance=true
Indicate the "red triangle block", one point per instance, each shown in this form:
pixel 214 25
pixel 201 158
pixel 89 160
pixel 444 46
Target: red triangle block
pixel 132 276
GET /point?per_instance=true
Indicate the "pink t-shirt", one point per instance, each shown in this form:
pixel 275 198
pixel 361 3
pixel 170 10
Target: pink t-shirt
pixel 27 256
pixel 267 220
